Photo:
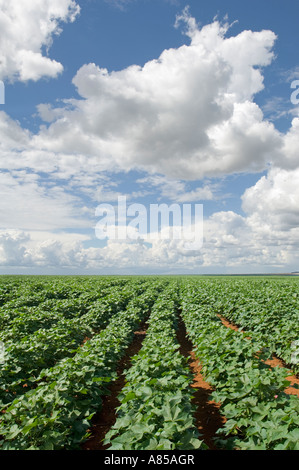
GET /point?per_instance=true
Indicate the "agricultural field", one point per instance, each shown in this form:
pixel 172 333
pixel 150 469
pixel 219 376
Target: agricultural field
pixel 149 363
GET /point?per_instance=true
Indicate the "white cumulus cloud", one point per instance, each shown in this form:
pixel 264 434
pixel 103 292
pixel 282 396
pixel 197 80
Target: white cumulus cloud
pixel 27 29
pixel 187 114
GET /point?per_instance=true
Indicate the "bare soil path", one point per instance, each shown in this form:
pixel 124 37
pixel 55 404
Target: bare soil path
pixel 207 415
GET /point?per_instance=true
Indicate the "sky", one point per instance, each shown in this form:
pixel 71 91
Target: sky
pixel 155 102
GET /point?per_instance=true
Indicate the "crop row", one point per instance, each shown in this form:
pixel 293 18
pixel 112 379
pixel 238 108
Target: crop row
pixel 30 291
pixel 156 411
pixel 26 358
pixel 260 415
pixel 267 309
pixel 57 413
pixel 33 307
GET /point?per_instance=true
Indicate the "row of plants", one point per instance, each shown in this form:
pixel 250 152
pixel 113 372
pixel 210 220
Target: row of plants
pixel 25 359
pixel 259 414
pixel 32 307
pixel 268 309
pixel 156 411
pixel 48 314
pixel 57 413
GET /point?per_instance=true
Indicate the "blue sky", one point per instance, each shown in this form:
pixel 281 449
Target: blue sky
pixel 161 101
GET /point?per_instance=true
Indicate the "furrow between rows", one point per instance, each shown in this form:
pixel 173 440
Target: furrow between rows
pixel 105 419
